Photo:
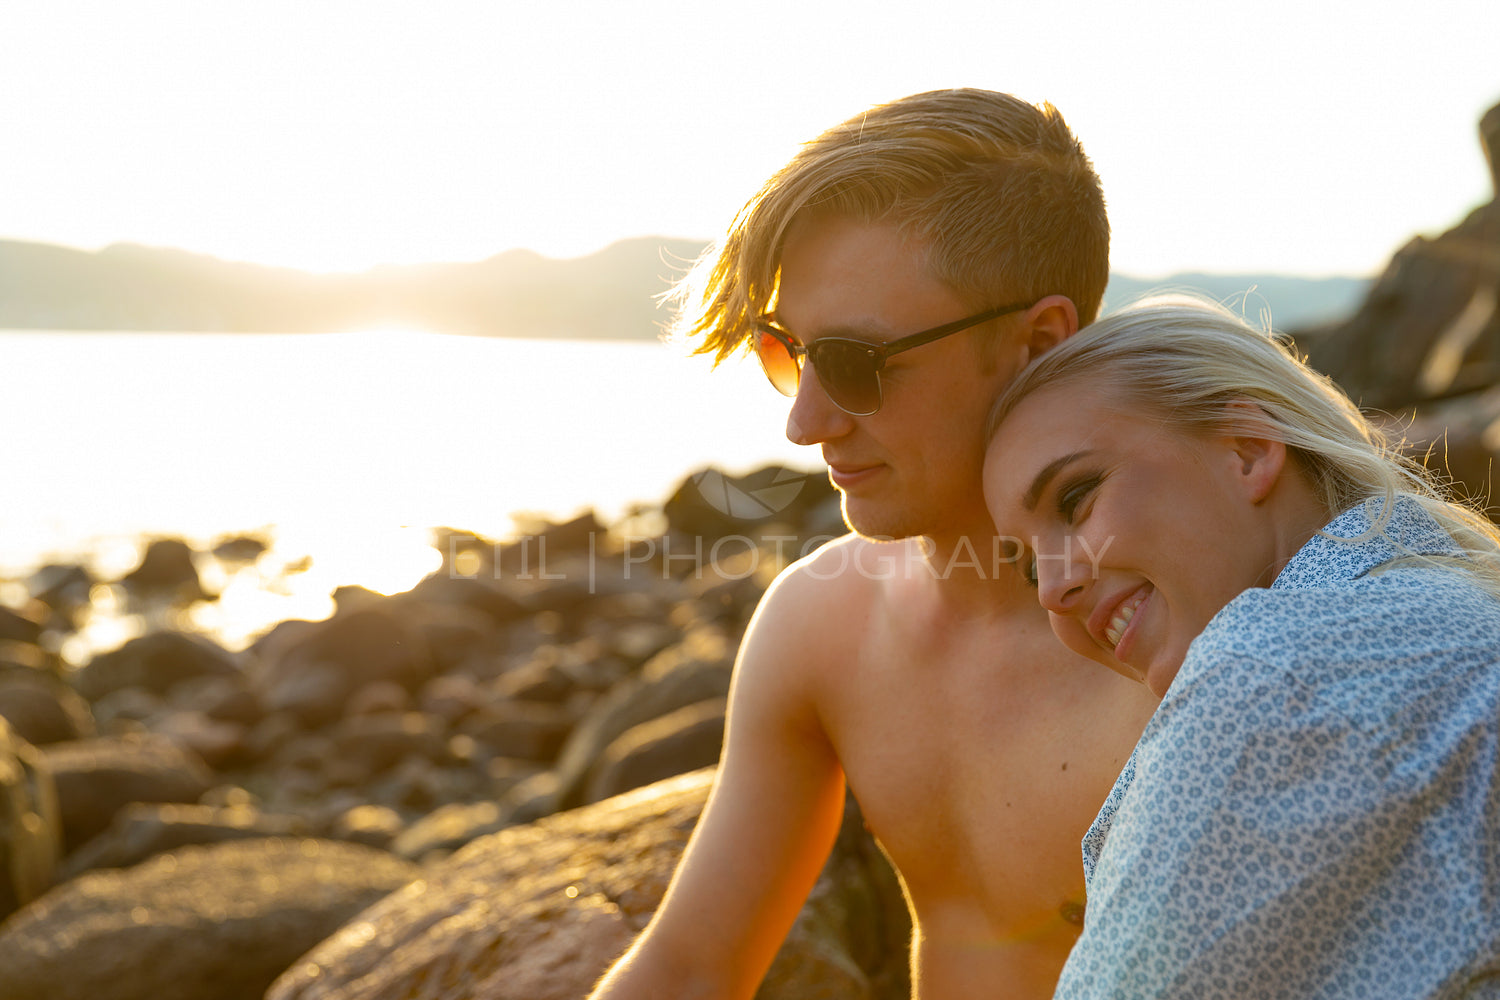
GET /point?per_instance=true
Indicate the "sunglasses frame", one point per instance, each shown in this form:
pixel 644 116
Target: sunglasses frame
pixel 802 354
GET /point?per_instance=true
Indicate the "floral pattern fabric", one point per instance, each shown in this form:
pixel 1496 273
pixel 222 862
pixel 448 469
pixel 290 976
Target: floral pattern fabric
pixel 1314 809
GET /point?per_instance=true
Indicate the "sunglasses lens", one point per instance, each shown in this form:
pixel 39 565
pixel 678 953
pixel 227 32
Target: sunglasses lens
pixel 777 361
pixel 847 372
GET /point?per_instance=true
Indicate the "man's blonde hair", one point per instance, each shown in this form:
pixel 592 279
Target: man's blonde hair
pixel 999 190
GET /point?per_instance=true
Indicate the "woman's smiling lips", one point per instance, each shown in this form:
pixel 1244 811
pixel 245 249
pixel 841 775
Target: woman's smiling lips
pixel 1111 621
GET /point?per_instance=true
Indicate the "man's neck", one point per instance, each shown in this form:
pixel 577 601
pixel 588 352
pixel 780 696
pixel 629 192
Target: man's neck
pixel 974 572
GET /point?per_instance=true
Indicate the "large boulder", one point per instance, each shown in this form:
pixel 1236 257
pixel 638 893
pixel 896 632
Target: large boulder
pixel 96 778
pixel 538 912
pixel 30 827
pixel 41 708
pixel 1457 436
pixel 156 662
pixel 201 923
pixel 692 671
pixel 64 590
pixel 449 827
pixel 525 730
pixel 18 627
pixel 374 743
pixel 142 830
pixel 167 570
pixel 486 596
pixel 1430 327
pixel 681 741
pixel 325 662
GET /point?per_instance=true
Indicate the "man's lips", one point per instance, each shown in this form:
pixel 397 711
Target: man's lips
pixel 849 474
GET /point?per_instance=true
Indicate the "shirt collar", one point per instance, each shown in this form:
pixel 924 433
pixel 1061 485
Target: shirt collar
pixel 1355 542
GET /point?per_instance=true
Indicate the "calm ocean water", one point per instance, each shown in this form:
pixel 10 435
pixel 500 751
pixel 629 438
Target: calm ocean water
pixel 347 448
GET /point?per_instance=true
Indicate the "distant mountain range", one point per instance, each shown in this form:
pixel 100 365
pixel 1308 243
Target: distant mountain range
pixel 607 295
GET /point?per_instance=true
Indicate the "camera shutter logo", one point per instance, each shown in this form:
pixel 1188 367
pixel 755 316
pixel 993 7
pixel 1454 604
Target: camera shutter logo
pixel 750 504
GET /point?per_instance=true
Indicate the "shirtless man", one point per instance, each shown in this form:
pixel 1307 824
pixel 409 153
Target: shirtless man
pixel 920 671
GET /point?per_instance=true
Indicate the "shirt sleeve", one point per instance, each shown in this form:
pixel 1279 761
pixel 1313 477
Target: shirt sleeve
pixel 1270 847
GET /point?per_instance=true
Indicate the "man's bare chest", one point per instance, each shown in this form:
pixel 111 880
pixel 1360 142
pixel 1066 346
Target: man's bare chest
pixel 979 766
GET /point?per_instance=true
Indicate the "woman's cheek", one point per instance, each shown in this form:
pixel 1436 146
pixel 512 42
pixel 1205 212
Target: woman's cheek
pixel 1073 635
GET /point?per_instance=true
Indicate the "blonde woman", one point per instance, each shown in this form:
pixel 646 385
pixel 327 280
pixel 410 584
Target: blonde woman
pixel 1314 809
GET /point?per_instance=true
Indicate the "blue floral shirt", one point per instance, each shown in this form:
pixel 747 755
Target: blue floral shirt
pixel 1314 809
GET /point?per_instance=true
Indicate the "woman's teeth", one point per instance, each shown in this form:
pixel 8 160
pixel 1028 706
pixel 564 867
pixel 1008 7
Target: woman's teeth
pixel 1122 618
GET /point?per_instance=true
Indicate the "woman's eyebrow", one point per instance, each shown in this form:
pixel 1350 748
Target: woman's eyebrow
pixel 1039 483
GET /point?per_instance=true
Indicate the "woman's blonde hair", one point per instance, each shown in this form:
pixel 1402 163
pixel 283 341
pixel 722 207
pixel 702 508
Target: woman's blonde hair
pixel 1187 360
pixel 999 190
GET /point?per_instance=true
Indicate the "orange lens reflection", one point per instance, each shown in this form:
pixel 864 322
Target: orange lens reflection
pixel 777 361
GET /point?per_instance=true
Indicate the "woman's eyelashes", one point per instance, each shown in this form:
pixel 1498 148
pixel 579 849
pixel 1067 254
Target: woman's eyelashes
pixel 1071 495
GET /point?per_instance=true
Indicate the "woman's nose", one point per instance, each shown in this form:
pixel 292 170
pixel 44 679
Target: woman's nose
pixel 1061 582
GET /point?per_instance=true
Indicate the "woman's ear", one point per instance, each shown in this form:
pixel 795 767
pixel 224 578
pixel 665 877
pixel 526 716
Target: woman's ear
pixel 1259 455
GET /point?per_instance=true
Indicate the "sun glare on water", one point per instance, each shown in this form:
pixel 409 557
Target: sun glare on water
pixel 285 584
pixel 287 581
pixel 342 452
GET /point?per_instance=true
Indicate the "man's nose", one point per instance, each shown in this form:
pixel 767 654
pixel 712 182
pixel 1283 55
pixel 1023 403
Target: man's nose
pixel 813 418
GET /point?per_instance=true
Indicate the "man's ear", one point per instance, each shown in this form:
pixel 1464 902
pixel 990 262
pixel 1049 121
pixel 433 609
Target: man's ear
pixel 1049 322
pixel 1259 455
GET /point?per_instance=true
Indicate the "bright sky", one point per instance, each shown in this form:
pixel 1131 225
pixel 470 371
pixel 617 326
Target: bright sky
pixel 1300 137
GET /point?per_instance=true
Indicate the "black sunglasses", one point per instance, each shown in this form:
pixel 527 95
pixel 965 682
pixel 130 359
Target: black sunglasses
pixel 848 370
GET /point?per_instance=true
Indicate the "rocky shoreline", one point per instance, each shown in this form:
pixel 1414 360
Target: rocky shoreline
pixel 478 787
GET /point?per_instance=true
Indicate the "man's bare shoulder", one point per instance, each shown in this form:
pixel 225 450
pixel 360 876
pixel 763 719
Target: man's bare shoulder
pixel 815 616
pixel 841 581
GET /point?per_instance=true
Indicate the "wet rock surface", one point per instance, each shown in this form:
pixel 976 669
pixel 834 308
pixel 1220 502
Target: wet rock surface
pixel 538 912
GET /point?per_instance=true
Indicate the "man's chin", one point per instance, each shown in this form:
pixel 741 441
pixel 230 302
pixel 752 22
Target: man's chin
pixel 870 522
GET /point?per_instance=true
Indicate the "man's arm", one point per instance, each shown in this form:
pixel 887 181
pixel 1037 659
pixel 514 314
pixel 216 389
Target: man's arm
pixel 768 826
